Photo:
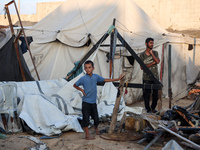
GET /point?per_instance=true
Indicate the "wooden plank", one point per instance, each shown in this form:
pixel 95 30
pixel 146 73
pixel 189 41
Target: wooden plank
pixel 116 107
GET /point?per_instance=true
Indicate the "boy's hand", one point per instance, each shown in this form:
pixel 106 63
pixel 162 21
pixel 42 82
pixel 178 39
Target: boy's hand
pixel 83 92
pixel 121 76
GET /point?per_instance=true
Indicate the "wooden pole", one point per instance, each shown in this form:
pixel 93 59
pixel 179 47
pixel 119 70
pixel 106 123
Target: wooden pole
pixel 116 107
pixel 15 44
pixel 26 41
pixel 122 122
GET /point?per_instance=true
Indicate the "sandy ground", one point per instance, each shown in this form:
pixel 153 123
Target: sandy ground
pixel 75 141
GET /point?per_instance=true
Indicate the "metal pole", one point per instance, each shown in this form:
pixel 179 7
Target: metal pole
pixel 182 138
pixel 169 77
pixel 26 40
pixel 194 50
pixel 111 50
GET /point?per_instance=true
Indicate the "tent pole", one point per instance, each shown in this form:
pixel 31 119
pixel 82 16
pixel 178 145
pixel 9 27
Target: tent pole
pixel 112 50
pixel 135 56
pixel 89 53
pixel 169 77
pixel 15 43
pixel 26 40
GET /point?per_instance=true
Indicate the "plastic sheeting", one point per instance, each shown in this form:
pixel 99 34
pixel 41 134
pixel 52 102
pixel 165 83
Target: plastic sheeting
pixel 172 145
pixel 9 64
pixel 52 106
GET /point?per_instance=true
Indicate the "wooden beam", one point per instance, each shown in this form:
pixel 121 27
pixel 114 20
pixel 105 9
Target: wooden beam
pixel 135 56
pixel 89 53
pixel 116 107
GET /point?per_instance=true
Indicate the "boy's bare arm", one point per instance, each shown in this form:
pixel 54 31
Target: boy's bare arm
pixel 80 89
pixel 111 80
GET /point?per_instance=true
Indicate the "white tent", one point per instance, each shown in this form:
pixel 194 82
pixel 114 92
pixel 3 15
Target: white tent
pixel 59 41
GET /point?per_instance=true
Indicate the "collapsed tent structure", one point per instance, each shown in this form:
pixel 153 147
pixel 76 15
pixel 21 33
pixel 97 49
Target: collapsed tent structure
pixel 67 34
pixel 64 36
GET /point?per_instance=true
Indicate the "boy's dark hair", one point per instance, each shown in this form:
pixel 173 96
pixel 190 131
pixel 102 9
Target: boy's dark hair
pixel 149 39
pixel 89 62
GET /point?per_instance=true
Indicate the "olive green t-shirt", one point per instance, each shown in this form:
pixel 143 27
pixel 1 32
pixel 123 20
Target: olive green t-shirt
pixel 147 60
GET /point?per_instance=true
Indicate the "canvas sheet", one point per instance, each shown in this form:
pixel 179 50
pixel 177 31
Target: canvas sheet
pixel 5 35
pixel 73 21
pixel 52 106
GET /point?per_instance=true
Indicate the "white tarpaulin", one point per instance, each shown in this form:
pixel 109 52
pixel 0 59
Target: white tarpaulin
pixel 58 41
pixel 52 106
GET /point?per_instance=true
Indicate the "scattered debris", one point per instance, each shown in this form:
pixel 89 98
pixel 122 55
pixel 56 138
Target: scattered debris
pixel 40 145
pixel 2 136
pixel 172 145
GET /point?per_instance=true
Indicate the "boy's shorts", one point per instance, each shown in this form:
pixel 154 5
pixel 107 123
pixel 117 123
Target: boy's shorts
pixel 87 111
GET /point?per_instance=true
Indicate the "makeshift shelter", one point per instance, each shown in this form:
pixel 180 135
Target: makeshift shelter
pixel 63 36
pixel 10 70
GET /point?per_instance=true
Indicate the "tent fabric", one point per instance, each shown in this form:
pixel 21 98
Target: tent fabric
pixel 73 21
pixel 59 39
pixel 45 118
pixel 52 106
pixel 10 70
pixel 5 35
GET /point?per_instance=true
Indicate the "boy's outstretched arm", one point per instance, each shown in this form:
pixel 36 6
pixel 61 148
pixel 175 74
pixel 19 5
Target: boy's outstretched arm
pixel 80 89
pixel 111 80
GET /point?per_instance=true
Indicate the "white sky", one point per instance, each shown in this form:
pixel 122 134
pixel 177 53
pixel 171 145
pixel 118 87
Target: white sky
pixel 26 6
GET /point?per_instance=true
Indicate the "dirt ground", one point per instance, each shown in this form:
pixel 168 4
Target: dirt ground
pixel 75 141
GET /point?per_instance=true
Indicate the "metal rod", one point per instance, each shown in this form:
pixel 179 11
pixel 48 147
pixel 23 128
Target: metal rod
pixel 157 137
pixel 135 85
pixel 170 97
pixel 108 45
pixel 194 50
pixel 169 77
pixel 162 63
pixel 112 46
pixel 196 145
pixel 26 41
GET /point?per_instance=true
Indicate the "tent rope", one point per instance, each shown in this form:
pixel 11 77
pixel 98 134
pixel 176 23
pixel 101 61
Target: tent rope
pixel 82 17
